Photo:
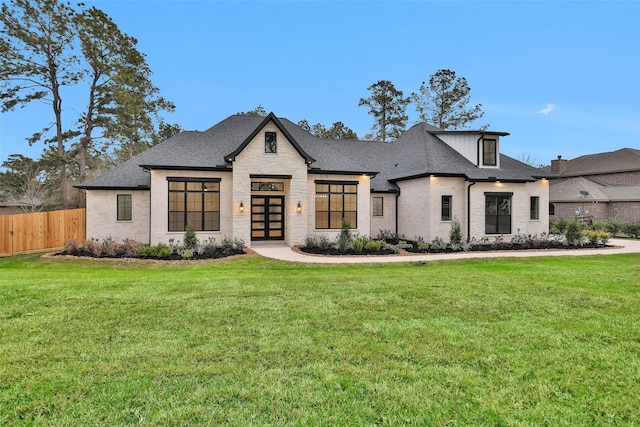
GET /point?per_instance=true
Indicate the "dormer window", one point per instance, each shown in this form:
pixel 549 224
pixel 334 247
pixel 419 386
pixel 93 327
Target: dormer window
pixel 489 152
pixel 270 142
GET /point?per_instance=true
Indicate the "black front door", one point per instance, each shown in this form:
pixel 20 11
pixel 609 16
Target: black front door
pixel 267 218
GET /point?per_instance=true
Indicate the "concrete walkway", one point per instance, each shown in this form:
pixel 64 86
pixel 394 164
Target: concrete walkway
pixel 285 253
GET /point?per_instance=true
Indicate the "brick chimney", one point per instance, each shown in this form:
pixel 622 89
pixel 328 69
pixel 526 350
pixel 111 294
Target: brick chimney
pixel 558 166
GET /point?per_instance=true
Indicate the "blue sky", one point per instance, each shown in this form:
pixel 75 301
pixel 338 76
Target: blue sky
pixel 561 77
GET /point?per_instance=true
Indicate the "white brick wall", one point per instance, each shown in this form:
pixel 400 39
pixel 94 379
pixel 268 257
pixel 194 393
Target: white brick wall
pixel 102 216
pixel 520 205
pixel 388 220
pixel 287 161
pixel 364 204
pixel 160 205
pixel 414 209
pixel 419 207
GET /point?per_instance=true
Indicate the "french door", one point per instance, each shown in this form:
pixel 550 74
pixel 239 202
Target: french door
pixel 267 218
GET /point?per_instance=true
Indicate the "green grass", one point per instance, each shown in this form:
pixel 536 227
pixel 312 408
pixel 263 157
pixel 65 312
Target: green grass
pixel 540 341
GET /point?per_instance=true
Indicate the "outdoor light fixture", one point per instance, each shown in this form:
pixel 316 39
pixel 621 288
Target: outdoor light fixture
pixel 241 206
pixel 299 207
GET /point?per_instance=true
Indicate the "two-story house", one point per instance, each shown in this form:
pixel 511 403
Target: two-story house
pixel 265 178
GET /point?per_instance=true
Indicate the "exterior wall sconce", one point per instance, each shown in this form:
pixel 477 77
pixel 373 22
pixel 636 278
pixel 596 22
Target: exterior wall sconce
pixel 241 206
pixel 299 207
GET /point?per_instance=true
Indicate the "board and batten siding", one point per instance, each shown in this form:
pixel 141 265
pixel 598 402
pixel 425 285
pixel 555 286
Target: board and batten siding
pixel 470 147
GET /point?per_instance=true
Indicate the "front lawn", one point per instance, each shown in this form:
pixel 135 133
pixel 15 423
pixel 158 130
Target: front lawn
pixel 540 341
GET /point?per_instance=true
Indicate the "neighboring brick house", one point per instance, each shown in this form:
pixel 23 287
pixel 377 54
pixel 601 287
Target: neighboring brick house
pixel 265 178
pixel 596 186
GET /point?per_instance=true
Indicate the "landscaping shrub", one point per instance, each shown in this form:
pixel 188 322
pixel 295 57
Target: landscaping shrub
pixel 596 237
pixel 131 248
pixel 111 248
pixel 631 229
pixel 359 243
pixel 190 239
pixel 345 240
pixel 373 246
pixel 558 226
pixel 162 250
pixel 573 233
pixel 455 234
pixel 71 247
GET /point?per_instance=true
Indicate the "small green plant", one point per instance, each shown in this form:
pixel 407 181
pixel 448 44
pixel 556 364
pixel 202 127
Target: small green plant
pixel 422 245
pixel 148 251
pixel 455 234
pixel 345 239
pixel 373 246
pixel 163 250
pixel 596 237
pixel 573 233
pixel 359 243
pixel 186 254
pixel 190 239
pixel 438 244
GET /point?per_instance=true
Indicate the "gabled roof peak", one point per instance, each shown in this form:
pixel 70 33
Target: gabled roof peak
pixel 270 118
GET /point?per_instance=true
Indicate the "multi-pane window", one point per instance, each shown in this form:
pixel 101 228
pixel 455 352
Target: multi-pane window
pixel 534 207
pixel 267 186
pixel 195 202
pixel 445 214
pixel 377 206
pixel 270 142
pixel 124 207
pixel 497 213
pixel 335 201
pixel 489 152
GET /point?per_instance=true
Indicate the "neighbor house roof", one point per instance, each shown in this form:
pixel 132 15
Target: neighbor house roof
pixel 418 152
pixel 622 160
pixel 578 189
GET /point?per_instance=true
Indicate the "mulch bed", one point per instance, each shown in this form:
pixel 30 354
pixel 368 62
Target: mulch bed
pixel 211 255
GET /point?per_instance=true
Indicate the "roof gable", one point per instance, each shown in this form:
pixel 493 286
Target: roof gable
pixel 270 118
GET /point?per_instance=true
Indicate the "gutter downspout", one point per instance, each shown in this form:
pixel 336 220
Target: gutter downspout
pixel 397 196
pixel 478 146
pixel 469 210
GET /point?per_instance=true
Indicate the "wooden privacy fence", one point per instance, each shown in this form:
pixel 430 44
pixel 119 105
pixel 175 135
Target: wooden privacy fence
pixel 41 230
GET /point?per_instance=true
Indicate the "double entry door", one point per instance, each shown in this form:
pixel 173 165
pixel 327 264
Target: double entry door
pixel 267 217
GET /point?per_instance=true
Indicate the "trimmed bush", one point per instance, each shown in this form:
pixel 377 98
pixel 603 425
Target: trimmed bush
pixel 373 246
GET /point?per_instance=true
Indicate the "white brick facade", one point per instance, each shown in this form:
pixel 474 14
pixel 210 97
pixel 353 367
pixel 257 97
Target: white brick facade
pixel 102 214
pixel 233 153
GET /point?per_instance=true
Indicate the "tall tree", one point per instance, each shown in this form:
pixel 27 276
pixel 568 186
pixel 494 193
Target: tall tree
pixel 337 131
pixel 36 61
pixel 25 180
pixel 443 102
pixel 259 111
pixel 122 99
pixel 388 107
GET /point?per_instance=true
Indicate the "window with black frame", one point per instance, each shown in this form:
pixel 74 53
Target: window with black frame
pixel 497 213
pixel 335 201
pixel 534 208
pixel 445 214
pixel 195 202
pixel 124 207
pixel 489 152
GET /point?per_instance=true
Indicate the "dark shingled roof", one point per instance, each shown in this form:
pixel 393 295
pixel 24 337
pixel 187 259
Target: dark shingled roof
pixel 418 152
pixel 623 160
